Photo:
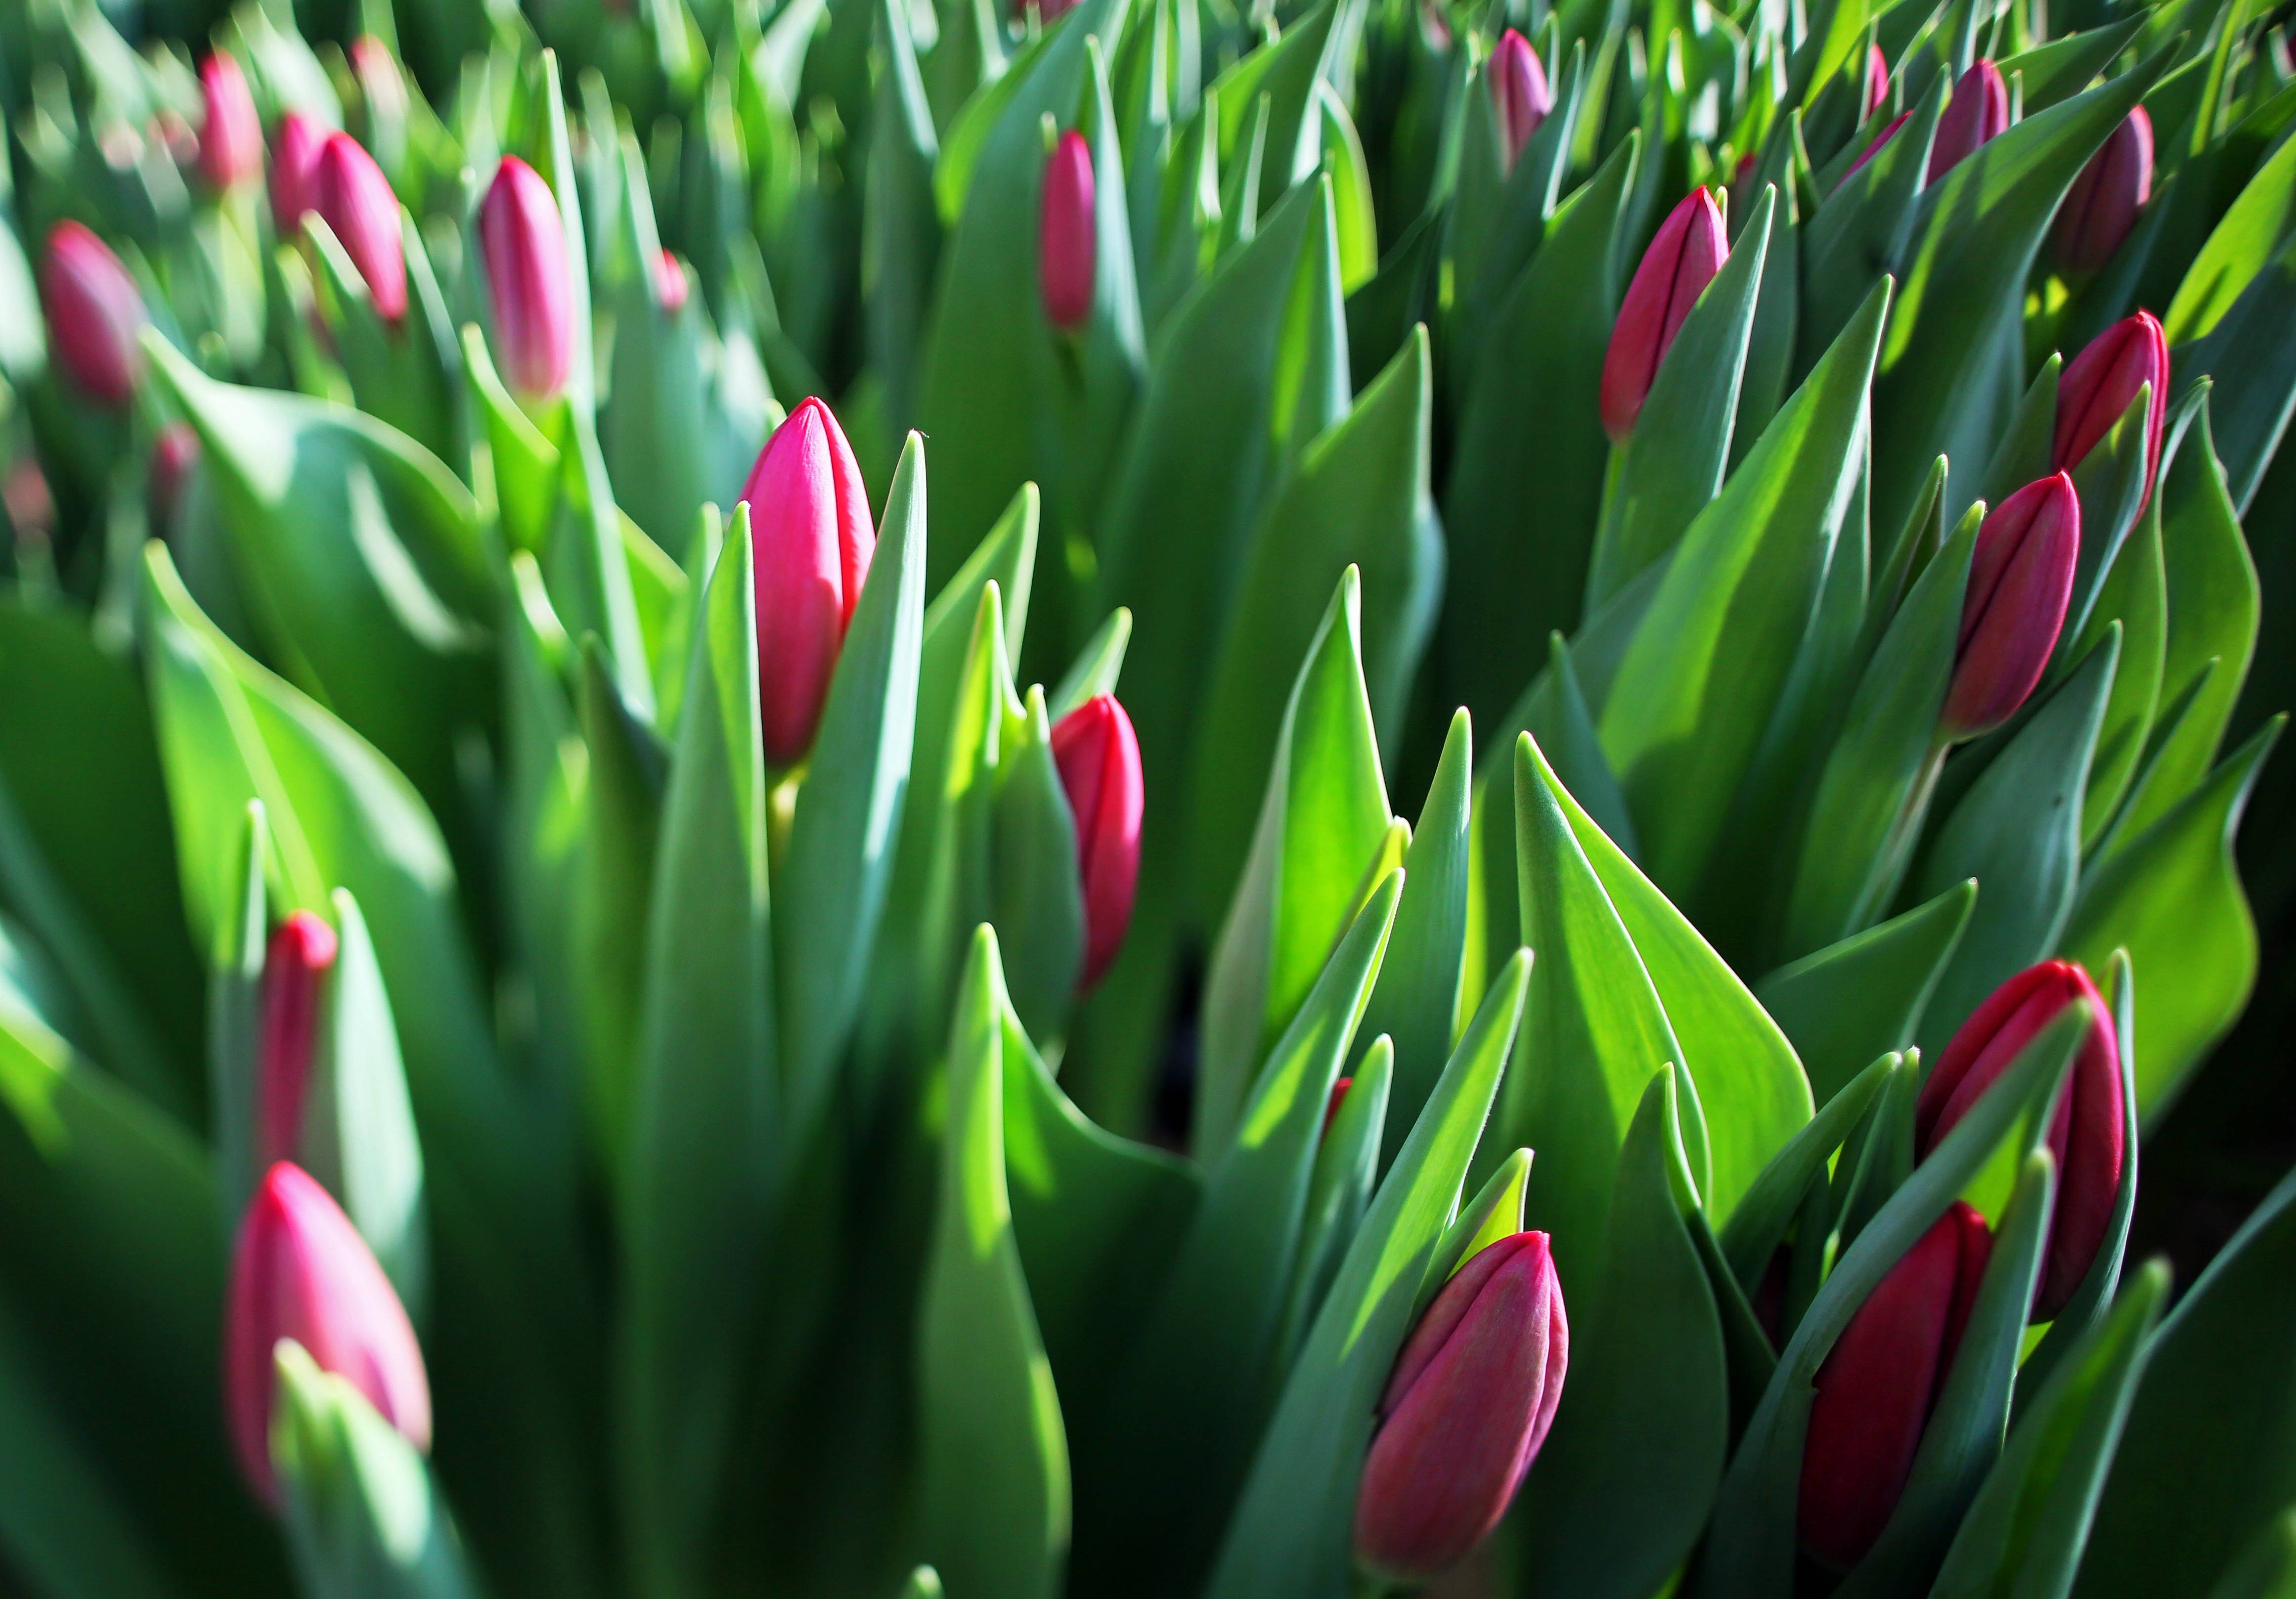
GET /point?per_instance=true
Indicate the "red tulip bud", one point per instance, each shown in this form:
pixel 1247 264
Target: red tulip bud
pixel 294 164
pixel 1464 1412
pixel 669 285
pixel 352 196
pixel 1066 242
pixel 2104 203
pixel 1876 1388
pixel 1339 1097
pixel 811 540
pixel 2087 1134
pixel 231 139
pixel 95 314
pixel 1099 760
pixel 2098 385
pixel 528 279
pixel 1518 92
pixel 1876 88
pixel 1681 261
pixel 301 1271
pixel 1874 148
pixel 2020 581
pixel 295 968
pixel 1979 111
pixel 175 455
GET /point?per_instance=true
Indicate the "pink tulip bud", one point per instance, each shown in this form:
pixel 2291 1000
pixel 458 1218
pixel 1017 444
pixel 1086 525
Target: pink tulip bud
pixel 295 968
pixel 1464 1412
pixel 95 314
pixel 529 280
pixel 174 455
pixel 1518 92
pixel 2020 581
pixel 669 284
pixel 231 139
pixel 1876 87
pixel 1338 1097
pixel 1099 760
pixel 1874 148
pixel 2086 1135
pixel 1066 242
pixel 352 196
pixel 1979 111
pixel 2102 207
pixel 301 1271
pixel 811 541
pixel 294 166
pixel 2099 384
pixel 380 83
pixel 1681 261
pixel 1876 1388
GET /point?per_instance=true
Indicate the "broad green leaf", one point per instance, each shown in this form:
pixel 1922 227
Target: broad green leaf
pixel 2239 249
pixel 622 797
pixel 1752 1234
pixel 1347 1163
pixel 901 228
pixel 1038 901
pixel 588 573
pixel 1287 73
pixel 1098 665
pixel 2134 594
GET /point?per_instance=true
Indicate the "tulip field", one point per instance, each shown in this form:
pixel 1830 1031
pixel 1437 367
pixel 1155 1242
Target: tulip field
pixel 1147 799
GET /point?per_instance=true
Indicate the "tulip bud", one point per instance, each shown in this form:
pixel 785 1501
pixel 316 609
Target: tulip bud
pixel 231 139
pixel 301 1271
pixel 1518 92
pixel 1876 1388
pixel 175 453
pixel 2102 207
pixel 2099 384
pixel 1338 1097
pixel 95 314
pixel 669 284
pixel 1874 148
pixel 2086 1135
pixel 1979 111
pixel 1066 242
pixel 1463 1416
pixel 528 279
pixel 811 541
pixel 1099 759
pixel 380 85
pixel 352 196
pixel 1681 261
pixel 2020 581
pixel 294 162
pixel 295 968
pixel 1876 88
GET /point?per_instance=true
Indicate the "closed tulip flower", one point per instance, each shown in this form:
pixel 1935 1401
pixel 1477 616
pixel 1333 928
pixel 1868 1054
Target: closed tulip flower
pixel 1067 245
pixel 295 968
pixel 231 136
pixel 294 166
pixel 2021 581
pixel 2101 382
pixel 175 456
pixel 1875 1390
pixel 2087 1133
pixel 2112 192
pixel 528 280
pixel 669 285
pixel 1681 261
pixel 1876 87
pixel 354 198
pixel 301 1271
pixel 1874 148
pixel 95 314
pixel 811 540
pixel 1520 92
pixel 1978 112
pixel 1471 1396
pixel 1099 760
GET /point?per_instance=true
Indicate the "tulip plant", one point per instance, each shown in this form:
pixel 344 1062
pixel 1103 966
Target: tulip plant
pixel 1136 798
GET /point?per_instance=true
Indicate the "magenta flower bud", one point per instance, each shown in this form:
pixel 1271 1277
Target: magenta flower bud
pixel 1066 242
pixel 669 284
pixel 1876 1388
pixel 174 455
pixel 379 79
pixel 353 198
pixel 2099 384
pixel 231 139
pixel 1979 111
pixel 2088 1134
pixel 294 164
pixel 295 968
pixel 1099 760
pixel 301 1271
pixel 1518 92
pixel 2020 581
pixel 811 541
pixel 1874 148
pixel 1680 262
pixel 2105 200
pixel 95 314
pixel 1463 1416
pixel 528 279
pixel 1876 87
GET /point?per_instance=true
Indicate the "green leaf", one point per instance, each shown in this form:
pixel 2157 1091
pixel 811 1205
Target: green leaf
pixel 1038 900
pixel 2239 249
pixel 1286 73
pixel 2134 594
pixel 1756 1227
pixel 1098 665
pixel 901 228
pixel 1347 1161
pixel 588 573
pixel 993 1460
